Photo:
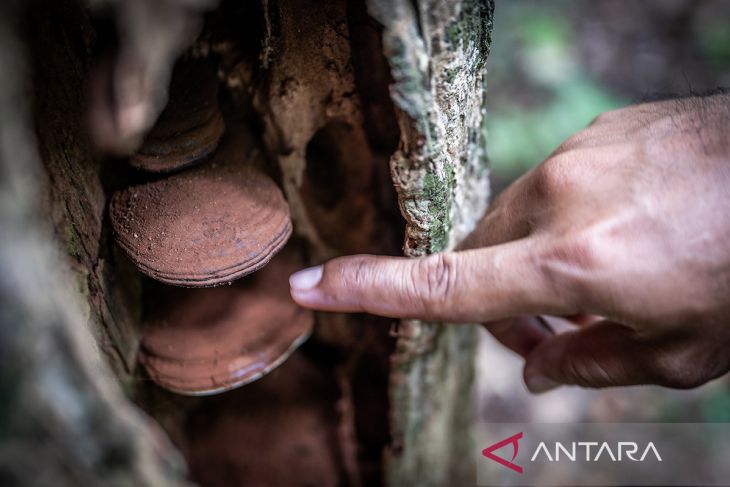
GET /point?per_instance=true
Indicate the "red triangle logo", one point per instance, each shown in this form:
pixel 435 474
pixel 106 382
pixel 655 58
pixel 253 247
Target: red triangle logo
pixel 514 441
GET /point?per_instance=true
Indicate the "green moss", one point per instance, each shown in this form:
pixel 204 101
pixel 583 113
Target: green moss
pixel 451 74
pixel 474 26
pixel 82 282
pixel 69 237
pixel 455 33
pixel 71 241
pixel 438 193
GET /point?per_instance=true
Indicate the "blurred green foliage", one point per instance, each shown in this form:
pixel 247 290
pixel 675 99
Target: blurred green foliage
pixel 715 407
pixel 539 94
pixel 714 39
pixel 521 138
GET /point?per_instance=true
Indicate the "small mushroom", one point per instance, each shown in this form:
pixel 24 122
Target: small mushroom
pixel 205 226
pixel 205 341
pixel 189 128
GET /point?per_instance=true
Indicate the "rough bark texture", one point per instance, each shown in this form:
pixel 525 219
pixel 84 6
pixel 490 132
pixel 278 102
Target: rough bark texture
pixel 63 421
pixel 59 38
pixel 319 127
pixel 347 98
pixel 437 52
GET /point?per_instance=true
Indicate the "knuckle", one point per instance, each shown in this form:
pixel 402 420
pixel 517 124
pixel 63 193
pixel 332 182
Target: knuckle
pixel 358 273
pixel 600 119
pixel 567 266
pixel 680 369
pixel 586 368
pixel 556 176
pixel 607 117
pixel 656 131
pixel 672 375
pixel 586 373
pixel 573 142
pixel 434 279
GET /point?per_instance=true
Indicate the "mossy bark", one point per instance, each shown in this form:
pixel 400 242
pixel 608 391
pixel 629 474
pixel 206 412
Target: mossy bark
pixel 437 51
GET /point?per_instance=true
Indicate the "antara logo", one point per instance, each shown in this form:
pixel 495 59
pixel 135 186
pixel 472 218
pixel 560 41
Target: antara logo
pixel 514 440
pixel 589 451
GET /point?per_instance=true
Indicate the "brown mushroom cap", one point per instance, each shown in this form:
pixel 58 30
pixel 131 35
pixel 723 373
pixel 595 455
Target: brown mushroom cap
pixel 205 226
pixel 205 341
pixel 190 127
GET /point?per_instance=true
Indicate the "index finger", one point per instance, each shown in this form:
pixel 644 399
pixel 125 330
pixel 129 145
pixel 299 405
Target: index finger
pixel 486 284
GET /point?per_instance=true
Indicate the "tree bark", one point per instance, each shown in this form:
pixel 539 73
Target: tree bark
pixel 437 51
pixel 63 418
pixel 352 98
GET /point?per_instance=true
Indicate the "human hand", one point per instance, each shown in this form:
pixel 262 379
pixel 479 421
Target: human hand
pixel 628 220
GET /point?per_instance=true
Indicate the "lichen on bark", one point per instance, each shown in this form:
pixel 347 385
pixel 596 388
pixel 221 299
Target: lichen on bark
pixel 437 51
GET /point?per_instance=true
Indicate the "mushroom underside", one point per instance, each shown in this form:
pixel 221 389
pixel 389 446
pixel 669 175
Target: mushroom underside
pixel 205 341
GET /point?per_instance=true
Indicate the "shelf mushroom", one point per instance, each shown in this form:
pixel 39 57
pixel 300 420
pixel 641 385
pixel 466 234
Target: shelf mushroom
pixel 191 125
pixel 205 226
pixel 206 341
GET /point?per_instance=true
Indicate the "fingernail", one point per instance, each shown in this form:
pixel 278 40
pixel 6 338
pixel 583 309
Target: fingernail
pixel 306 279
pixel 539 383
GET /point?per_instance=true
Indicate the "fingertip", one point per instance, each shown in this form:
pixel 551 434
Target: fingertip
pixel 542 371
pixel 303 287
pixel 301 298
pixel 306 279
pixel 521 335
pixel 537 383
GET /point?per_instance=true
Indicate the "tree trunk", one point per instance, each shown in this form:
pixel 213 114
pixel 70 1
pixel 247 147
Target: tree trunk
pixel 437 52
pixel 63 419
pixel 348 100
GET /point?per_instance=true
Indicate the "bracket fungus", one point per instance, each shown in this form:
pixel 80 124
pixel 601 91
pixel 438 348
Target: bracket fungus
pixel 205 226
pixel 205 341
pixel 191 125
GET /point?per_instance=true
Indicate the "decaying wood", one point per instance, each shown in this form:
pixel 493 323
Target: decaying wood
pixel 334 170
pixel 349 98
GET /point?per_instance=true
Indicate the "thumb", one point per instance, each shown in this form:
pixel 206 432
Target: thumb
pixel 603 354
pixel 479 285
